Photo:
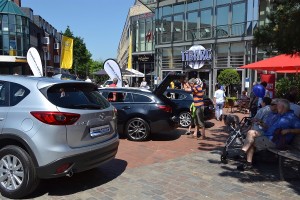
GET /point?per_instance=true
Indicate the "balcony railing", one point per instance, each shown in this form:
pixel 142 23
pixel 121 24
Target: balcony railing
pixel 209 32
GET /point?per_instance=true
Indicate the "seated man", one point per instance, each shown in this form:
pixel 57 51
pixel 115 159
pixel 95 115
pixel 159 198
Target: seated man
pixel 262 113
pixel 258 130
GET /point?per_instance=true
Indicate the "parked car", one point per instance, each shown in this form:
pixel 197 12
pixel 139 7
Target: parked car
pixel 183 100
pixel 106 83
pixel 142 112
pixel 51 128
pixel 65 76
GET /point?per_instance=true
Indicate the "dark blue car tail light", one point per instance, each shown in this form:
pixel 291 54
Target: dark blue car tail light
pixel 165 108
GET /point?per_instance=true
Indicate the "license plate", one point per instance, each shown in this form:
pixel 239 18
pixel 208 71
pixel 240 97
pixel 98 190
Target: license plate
pixel 100 131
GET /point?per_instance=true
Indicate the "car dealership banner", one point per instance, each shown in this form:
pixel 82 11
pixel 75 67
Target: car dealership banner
pixel 66 61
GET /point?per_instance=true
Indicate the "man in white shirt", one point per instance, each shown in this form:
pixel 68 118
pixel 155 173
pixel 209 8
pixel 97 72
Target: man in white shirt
pixel 219 99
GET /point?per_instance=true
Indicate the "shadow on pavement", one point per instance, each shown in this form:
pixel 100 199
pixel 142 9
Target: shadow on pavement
pixel 168 136
pixel 81 181
pixel 265 170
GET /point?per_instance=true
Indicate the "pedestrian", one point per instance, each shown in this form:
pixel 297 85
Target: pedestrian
pixel 193 118
pixel 125 83
pixel 144 83
pixel 114 94
pixel 219 100
pixel 199 104
pixel 88 79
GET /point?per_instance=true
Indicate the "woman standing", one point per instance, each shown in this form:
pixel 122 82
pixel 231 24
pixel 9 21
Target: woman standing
pixel 219 99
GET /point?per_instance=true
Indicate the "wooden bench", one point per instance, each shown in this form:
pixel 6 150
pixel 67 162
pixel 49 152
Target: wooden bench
pixel 292 153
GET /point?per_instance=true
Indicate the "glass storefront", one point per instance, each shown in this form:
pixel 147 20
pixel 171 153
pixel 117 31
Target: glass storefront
pixel 14 35
pixel 224 26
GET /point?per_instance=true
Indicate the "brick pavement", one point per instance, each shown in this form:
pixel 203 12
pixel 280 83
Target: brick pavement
pixel 171 168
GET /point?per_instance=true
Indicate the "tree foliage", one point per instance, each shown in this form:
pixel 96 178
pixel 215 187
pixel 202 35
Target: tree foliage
pixel 229 77
pixel 81 55
pixel 284 85
pixel 282 33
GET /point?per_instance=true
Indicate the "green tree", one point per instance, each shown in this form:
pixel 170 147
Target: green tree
pixel 229 77
pixel 81 55
pixel 282 33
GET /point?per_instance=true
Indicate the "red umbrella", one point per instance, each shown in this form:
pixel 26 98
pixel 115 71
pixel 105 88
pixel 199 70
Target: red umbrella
pixel 278 63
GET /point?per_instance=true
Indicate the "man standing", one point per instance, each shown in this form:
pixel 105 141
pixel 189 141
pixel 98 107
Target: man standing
pixel 219 99
pixel 144 83
pixel 199 104
pixel 88 79
pixel 114 84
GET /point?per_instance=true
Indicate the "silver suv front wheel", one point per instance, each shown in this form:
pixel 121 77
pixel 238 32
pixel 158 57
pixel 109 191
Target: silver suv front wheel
pixel 17 172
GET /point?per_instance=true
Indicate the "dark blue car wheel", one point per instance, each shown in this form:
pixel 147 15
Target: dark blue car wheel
pixel 137 129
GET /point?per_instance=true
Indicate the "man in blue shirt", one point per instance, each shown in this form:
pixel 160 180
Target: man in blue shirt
pixel 286 119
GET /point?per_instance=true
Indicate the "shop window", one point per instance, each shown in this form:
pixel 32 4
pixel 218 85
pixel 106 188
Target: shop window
pixel 178 8
pixel 12 23
pixel 5 45
pixel 166 30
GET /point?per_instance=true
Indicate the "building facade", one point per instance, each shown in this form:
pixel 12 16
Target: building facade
pixel 225 27
pixel 136 47
pixel 21 29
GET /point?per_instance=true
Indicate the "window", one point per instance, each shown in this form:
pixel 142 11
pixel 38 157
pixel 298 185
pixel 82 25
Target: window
pixel 141 98
pixel 3 94
pixel 238 19
pixel 4 23
pixel 193 6
pixel 205 23
pixel 120 97
pixel 192 25
pixel 76 96
pixel 222 21
pixel 167 10
pixel 166 30
pixel 179 8
pixel 178 27
pixel 17 93
pixel 205 3
pixel 220 2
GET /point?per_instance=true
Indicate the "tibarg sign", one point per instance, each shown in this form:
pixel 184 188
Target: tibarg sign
pixel 196 56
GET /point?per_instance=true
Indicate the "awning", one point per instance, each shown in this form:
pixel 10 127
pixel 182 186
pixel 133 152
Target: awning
pixel 278 63
pixel 125 73
pixel 135 73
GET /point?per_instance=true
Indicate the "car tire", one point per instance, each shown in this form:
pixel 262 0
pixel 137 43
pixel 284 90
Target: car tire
pixel 185 119
pixel 20 175
pixel 137 129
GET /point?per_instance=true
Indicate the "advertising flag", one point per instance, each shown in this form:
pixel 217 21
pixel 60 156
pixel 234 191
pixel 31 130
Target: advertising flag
pixel 129 64
pixel 66 61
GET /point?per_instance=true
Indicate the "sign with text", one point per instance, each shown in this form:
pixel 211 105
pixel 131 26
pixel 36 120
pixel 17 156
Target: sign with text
pixel 196 56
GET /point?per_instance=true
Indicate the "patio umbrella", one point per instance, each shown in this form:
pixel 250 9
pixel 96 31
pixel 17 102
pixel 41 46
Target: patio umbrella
pixel 125 72
pixel 278 63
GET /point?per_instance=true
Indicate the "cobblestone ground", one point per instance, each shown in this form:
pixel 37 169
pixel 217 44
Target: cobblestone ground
pixel 172 168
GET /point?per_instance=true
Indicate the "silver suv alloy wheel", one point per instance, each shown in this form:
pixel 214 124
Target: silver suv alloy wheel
pixel 11 172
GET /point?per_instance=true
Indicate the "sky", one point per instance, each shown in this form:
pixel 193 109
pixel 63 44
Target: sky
pixel 99 22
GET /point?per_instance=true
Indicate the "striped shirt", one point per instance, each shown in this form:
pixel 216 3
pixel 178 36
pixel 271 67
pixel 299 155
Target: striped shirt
pixel 198 96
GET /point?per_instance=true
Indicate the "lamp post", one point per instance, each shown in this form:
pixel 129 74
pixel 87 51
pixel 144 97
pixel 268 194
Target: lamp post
pixel 46 42
pixel 45 49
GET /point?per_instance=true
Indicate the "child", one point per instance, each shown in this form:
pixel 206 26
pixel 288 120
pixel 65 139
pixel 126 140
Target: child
pixel 193 115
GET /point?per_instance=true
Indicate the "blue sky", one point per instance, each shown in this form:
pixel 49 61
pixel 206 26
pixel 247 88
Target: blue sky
pixel 99 22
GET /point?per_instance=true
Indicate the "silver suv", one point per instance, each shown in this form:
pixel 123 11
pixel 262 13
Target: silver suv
pixel 51 128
